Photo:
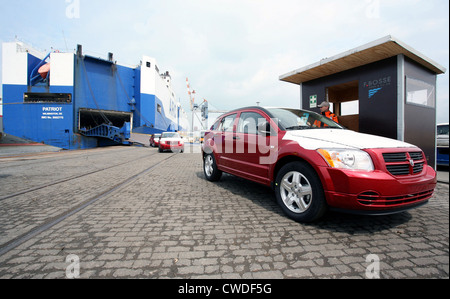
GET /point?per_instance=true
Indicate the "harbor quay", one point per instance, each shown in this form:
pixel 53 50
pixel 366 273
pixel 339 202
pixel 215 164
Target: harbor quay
pixel 132 212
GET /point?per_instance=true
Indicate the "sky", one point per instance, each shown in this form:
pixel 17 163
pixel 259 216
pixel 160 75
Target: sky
pixel 232 51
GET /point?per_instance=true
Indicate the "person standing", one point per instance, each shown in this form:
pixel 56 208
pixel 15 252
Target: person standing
pixel 325 111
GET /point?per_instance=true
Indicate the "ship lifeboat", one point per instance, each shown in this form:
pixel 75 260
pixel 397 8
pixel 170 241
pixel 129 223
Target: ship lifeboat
pixel 44 70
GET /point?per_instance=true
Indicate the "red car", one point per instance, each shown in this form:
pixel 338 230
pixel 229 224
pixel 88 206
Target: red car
pixel 171 141
pixel 154 140
pixel 314 169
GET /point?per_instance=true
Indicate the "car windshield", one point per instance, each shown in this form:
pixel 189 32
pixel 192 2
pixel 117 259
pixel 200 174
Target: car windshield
pixel 170 135
pixel 294 119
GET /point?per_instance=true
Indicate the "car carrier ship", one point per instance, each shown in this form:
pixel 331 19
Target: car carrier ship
pixel 77 101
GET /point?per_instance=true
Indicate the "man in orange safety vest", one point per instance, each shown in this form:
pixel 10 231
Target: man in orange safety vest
pixel 325 110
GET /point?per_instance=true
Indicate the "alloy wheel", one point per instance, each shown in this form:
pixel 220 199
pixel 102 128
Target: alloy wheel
pixel 296 192
pixel 209 163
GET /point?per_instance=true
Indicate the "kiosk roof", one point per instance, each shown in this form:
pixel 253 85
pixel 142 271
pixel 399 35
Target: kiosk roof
pixel 380 49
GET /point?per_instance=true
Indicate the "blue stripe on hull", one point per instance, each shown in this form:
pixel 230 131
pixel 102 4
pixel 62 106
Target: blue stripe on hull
pixel 50 123
pixel 98 85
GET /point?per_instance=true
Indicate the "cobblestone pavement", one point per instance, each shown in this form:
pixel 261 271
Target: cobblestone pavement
pixel 130 212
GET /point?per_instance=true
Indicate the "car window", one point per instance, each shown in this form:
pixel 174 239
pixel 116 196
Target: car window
pixel 248 122
pixel 227 122
pixel 170 135
pixel 216 125
pixel 293 119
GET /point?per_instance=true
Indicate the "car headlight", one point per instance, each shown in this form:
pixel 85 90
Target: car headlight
pixel 347 159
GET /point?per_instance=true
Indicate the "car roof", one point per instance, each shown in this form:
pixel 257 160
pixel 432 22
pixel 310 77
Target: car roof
pixel 264 109
pixel 250 108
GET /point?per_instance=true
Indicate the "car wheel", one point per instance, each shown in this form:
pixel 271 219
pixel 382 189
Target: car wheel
pixel 300 193
pixel 212 173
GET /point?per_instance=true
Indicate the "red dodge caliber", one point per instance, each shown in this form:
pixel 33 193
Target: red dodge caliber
pixel 314 164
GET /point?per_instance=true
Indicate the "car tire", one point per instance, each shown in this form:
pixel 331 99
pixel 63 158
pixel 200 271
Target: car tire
pixel 299 192
pixel 212 173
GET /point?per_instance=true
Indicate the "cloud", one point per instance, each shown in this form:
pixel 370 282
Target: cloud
pixel 233 51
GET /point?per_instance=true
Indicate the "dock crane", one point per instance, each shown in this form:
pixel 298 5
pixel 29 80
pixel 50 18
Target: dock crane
pixel 195 107
pixel 203 107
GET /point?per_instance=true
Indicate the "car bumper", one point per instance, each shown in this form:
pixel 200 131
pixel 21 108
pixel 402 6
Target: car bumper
pixel 379 192
pixel 171 146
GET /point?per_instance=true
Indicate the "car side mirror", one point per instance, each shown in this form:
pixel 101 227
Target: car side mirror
pixel 264 128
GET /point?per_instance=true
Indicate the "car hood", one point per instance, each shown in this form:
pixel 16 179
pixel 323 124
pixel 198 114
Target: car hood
pixel 335 138
pixel 171 139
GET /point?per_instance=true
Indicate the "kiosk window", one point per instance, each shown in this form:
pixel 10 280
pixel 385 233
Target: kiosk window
pixel 420 93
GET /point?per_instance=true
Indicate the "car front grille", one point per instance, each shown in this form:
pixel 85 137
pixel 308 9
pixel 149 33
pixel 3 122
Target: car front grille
pixel 404 163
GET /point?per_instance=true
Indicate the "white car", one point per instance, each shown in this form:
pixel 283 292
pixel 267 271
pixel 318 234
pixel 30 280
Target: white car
pixel 442 135
pixel 171 141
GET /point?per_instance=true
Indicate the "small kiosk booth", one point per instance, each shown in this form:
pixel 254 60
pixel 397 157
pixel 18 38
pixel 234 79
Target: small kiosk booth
pixel 383 88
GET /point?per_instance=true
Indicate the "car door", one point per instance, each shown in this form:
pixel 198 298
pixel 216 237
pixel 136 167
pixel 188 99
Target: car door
pixel 251 147
pixel 223 138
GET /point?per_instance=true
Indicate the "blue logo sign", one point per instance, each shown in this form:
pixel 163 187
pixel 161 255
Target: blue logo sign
pixel 372 92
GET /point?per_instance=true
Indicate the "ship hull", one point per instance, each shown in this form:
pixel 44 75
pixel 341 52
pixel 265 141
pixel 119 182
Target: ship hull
pixel 81 92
